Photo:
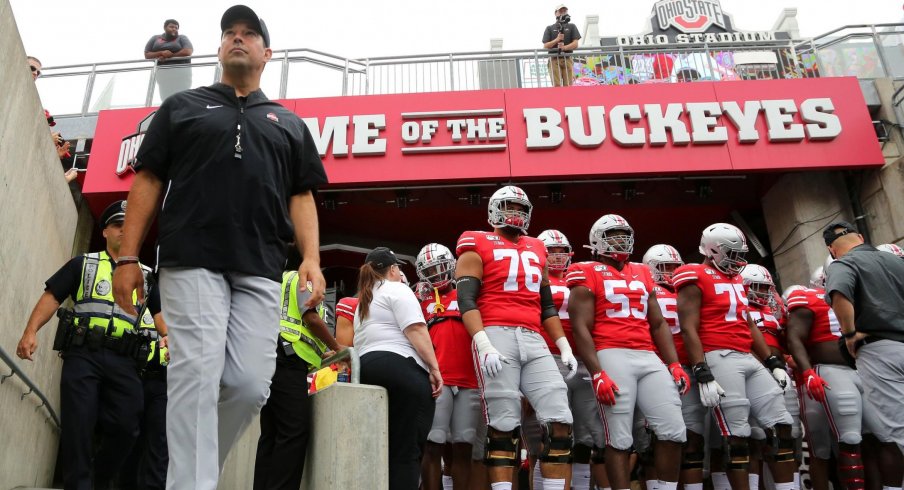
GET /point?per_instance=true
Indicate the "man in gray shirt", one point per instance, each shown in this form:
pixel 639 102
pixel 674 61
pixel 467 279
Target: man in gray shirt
pixel 865 288
pixel 561 39
pixel 170 49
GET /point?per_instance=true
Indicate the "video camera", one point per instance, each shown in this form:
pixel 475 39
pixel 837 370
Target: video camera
pixel 562 22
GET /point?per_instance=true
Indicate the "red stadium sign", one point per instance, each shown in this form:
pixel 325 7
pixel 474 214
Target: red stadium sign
pixel 569 132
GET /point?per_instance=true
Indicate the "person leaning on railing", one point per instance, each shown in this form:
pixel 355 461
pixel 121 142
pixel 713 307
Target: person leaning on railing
pixel 397 354
pixel 561 38
pixel 163 48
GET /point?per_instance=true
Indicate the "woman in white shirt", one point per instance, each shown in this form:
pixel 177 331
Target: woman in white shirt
pixel 397 354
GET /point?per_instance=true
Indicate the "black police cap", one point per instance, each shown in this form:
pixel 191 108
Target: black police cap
pixel 115 213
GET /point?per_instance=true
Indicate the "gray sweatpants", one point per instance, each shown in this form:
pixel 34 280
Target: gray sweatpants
pixel 222 343
pixel 881 367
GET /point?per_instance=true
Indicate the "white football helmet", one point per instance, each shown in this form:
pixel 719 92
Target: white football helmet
pixel 657 258
pixel 891 248
pixel 499 214
pixel 726 245
pixel 435 264
pixel 604 241
pixel 818 278
pixel 760 286
pixel 557 261
pixel 791 289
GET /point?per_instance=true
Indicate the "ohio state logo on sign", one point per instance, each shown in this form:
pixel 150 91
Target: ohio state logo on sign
pixel 689 16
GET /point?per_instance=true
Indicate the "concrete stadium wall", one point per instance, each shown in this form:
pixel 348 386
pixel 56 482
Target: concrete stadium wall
pixel 39 220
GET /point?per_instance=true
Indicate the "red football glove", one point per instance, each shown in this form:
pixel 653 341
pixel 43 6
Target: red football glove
pixel 816 386
pixel 605 388
pixel 682 380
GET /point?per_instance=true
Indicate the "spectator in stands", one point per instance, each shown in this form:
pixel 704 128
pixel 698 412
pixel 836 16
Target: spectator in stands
pixel 397 354
pixel 170 49
pixel 62 146
pixel 561 39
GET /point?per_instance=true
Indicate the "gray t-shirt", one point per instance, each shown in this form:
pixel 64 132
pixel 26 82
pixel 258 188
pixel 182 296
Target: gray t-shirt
pixel 571 34
pixel 161 43
pixel 874 282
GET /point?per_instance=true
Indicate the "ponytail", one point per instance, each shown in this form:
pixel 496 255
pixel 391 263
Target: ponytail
pixel 367 278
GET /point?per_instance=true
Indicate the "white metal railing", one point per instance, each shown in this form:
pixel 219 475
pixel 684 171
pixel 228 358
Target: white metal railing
pixel 864 51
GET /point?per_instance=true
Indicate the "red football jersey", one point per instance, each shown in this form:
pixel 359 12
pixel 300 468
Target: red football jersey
pixel 346 308
pixel 451 340
pixel 765 320
pixel 723 307
pixel 621 303
pixel 560 294
pixel 826 327
pixel 512 273
pixel 668 304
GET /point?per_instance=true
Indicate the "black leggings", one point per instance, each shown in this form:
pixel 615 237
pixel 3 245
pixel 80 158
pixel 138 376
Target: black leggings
pixel 410 412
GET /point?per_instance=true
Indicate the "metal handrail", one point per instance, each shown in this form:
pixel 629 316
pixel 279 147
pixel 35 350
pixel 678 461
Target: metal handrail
pixel 352 355
pixel 32 388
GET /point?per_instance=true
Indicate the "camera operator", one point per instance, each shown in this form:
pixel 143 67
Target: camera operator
pixel 560 39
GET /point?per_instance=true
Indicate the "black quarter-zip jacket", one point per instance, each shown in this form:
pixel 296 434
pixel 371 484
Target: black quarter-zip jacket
pixel 229 166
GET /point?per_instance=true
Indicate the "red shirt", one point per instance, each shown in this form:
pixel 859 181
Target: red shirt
pixel 620 320
pixel 346 308
pixel 826 327
pixel 668 304
pixel 723 307
pixel 560 293
pixel 512 273
pixel 765 320
pixel 451 340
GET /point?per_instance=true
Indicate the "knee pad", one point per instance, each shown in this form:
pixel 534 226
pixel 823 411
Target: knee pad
pixel 737 454
pixel 781 445
pixel 556 449
pixel 692 460
pixel 598 455
pixel 582 454
pixel 501 442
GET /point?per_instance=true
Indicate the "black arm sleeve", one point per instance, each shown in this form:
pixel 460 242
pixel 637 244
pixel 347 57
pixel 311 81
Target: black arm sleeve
pixel 468 288
pixel 547 305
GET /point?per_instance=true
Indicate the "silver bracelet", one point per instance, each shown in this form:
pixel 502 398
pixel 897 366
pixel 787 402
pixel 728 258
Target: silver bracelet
pixel 127 258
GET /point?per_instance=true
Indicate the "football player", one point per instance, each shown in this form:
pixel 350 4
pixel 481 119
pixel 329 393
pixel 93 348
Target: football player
pixel 616 320
pixel 891 248
pixel 505 300
pixel 765 311
pixel 663 260
pixel 345 320
pixel 588 428
pixel 456 420
pixel 831 391
pixel 720 340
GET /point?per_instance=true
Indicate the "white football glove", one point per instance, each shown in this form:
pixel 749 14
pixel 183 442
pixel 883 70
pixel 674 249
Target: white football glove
pixel 781 377
pixel 488 357
pixel 710 394
pixel 567 356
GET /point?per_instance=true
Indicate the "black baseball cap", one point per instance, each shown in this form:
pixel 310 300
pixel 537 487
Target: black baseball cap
pixel 241 12
pixel 830 235
pixel 115 213
pixel 381 257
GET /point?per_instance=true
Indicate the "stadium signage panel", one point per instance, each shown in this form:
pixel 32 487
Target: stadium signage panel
pixel 580 132
pixel 691 22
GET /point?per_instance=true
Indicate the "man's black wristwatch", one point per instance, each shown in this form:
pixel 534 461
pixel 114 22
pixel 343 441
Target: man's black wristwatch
pixel 849 335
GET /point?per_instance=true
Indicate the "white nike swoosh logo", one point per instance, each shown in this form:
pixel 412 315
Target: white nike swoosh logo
pixel 213 106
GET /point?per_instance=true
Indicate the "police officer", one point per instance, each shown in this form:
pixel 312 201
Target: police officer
pixel 146 466
pixel 285 419
pixel 99 384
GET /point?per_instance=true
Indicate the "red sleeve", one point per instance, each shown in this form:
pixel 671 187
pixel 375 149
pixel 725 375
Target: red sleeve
pixel 346 308
pixel 647 277
pixel 684 275
pixel 467 242
pixel 797 299
pixel 578 275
